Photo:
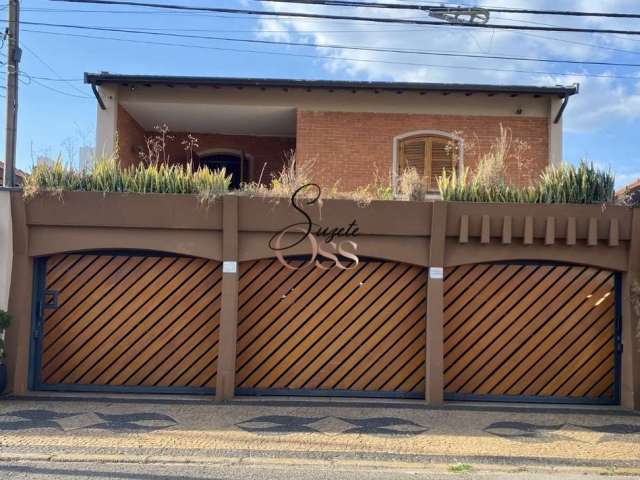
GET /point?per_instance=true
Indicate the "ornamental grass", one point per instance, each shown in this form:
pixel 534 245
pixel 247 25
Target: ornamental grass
pixel 557 184
pixel 107 175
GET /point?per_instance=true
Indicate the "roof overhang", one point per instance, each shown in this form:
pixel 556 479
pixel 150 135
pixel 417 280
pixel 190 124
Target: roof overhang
pixel 104 78
pixel 267 107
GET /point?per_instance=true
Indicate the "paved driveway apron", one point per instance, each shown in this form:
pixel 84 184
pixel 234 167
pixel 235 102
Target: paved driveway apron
pixel 407 432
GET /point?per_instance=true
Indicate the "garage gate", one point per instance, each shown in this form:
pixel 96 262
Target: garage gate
pixel 118 321
pixel 145 322
pixel 310 331
pixel 531 332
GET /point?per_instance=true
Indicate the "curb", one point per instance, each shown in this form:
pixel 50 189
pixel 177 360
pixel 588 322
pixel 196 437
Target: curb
pixel 304 462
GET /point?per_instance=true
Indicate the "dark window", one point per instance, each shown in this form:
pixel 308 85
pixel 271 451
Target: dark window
pixel 235 165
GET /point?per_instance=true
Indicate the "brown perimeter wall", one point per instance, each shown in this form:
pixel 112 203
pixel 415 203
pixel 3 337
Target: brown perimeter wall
pixel 237 228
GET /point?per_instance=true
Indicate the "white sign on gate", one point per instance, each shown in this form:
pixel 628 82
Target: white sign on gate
pixel 437 273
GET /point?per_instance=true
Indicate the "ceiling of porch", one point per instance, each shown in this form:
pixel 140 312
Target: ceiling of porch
pixel 208 118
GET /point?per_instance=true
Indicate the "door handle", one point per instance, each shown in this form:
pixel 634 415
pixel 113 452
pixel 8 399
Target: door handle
pixel 53 303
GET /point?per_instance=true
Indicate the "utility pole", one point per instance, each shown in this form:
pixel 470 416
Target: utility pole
pixel 14 54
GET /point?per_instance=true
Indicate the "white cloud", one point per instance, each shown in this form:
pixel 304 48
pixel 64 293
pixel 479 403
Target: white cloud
pixel 601 99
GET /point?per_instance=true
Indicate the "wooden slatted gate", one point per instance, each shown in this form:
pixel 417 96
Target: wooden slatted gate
pixel 358 332
pixel 531 332
pixel 127 322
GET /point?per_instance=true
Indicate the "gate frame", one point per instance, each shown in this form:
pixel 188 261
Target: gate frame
pixel 35 381
pixel 617 338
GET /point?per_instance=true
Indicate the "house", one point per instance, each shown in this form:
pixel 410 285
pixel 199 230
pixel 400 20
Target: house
pixel 114 292
pixel 347 133
pixel 630 193
pixel 19 174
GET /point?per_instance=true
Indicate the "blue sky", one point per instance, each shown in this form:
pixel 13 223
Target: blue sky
pixel 57 111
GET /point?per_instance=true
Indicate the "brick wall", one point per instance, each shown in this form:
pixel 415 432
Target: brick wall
pixel 130 134
pixel 267 152
pixel 350 148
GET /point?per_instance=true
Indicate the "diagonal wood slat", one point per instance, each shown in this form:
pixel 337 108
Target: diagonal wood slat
pixel 361 330
pixel 132 321
pixel 514 331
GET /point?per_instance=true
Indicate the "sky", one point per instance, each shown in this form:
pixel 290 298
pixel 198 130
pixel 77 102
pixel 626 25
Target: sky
pixel 57 111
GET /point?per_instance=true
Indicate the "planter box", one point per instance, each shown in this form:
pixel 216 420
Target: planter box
pixel 539 213
pixel 124 210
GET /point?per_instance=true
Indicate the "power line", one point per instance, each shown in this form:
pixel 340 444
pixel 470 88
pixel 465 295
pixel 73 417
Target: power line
pixel 50 68
pixel 354 18
pixel 423 7
pixel 61 92
pixel 332 46
pixel 51 79
pixel 333 57
pixel 240 16
pixel 258 30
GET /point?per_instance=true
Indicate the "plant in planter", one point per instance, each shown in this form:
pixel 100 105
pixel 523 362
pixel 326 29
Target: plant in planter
pixel 5 321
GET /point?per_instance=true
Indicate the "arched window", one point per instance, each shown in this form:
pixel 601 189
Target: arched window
pixel 430 155
pixel 236 163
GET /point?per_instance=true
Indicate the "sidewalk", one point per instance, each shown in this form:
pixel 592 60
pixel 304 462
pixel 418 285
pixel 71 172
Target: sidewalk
pixel 404 434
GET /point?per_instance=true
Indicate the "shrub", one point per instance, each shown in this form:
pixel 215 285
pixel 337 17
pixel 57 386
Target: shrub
pixel 108 176
pixel 412 186
pixel 557 184
pixel 568 184
pixel 5 321
pixel 284 183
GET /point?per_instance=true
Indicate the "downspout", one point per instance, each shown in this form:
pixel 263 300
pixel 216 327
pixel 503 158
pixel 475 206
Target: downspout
pixel 565 102
pixel 98 97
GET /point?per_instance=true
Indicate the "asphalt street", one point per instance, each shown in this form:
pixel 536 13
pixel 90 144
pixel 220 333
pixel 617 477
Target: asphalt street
pixel 222 471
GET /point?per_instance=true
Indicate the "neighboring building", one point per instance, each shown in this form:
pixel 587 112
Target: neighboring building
pixel 86 156
pixel 631 190
pixel 44 160
pixel 350 131
pixel 19 174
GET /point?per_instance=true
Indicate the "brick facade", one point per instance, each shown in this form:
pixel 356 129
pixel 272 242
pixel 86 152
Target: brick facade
pixel 351 148
pixel 130 135
pixel 268 153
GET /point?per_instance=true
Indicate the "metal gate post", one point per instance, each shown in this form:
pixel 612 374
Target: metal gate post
pixel 225 383
pixel 434 384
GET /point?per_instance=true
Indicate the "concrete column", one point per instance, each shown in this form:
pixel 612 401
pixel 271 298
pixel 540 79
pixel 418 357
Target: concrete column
pixel 630 388
pixel 434 394
pixel 555 132
pixel 20 299
pixel 225 385
pixel 107 122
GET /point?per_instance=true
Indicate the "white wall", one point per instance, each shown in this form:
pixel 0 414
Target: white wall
pixel 6 247
pixel 106 124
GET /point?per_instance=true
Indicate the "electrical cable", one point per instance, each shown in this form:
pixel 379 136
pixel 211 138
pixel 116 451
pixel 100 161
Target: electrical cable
pixel 350 17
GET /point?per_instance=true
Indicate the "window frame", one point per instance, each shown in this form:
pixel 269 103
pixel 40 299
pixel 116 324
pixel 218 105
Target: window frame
pixel 398 140
pixel 243 158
